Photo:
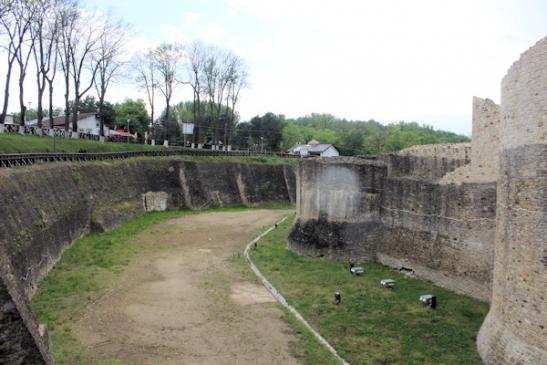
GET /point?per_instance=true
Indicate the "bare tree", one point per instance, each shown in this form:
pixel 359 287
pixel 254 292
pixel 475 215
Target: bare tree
pixel 227 69
pixel 27 13
pixel 85 42
pixel 15 21
pixel 145 68
pixel 107 61
pixel 195 54
pixel 80 37
pixel 168 58
pixel 210 75
pixel 45 29
pixel 68 18
pixel 6 22
pixel 237 82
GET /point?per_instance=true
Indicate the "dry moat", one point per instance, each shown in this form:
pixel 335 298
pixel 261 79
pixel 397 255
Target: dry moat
pixel 470 218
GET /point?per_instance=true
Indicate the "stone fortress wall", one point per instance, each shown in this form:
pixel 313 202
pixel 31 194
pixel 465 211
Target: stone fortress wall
pixel 393 209
pixel 44 209
pixel 477 227
pixel 484 163
pixel 428 161
pixel 514 330
pixel 354 209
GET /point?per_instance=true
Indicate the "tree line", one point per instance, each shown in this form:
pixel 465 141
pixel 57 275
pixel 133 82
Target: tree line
pixel 277 133
pixel 216 77
pixel 84 50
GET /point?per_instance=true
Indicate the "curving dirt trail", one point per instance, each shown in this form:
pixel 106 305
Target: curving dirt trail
pixel 189 302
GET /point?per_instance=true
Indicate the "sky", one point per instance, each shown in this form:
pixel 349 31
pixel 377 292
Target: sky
pixel 387 60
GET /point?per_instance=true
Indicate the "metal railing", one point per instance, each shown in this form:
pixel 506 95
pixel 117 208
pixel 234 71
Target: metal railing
pixel 26 159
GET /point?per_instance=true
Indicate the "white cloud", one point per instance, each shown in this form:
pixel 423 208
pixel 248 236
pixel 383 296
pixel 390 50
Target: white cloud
pixel 212 32
pixel 137 44
pixel 190 19
pixel 170 33
pixel 393 60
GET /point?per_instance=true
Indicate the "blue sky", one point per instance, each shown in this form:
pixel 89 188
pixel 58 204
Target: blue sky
pixel 419 60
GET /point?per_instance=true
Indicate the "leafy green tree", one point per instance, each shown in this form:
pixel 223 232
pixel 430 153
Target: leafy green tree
pixel 350 143
pixel 362 137
pixel 291 135
pixel 325 136
pixel 260 133
pixel 135 112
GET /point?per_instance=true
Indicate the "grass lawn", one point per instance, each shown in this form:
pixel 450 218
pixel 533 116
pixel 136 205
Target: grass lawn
pixel 373 325
pixel 243 159
pixel 16 143
pixel 86 271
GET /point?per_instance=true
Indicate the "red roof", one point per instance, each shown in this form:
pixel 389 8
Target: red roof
pixel 121 132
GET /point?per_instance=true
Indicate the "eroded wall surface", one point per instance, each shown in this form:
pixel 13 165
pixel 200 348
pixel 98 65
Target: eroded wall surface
pixel 351 208
pixel 338 205
pixel 514 330
pixel 43 209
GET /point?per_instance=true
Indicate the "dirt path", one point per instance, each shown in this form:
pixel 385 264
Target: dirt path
pixel 188 303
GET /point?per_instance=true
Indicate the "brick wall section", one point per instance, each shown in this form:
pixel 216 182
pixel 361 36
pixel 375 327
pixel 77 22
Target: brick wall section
pixel 514 330
pixel 45 208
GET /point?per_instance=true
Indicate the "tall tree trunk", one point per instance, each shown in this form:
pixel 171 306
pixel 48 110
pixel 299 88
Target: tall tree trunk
pixel 67 102
pixel 101 119
pixel 39 107
pixel 213 122
pixel 167 121
pixel 6 92
pixel 194 118
pixel 226 123
pixel 198 121
pixel 22 98
pixel 74 117
pixel 50 103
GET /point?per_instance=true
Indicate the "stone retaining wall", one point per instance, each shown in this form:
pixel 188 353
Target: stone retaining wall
pixel 352 209
pixel 44 209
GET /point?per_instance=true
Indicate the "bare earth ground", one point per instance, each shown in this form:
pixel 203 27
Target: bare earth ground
pixel 188 303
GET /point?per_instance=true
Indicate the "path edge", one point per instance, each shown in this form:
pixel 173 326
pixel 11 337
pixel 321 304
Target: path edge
pixel 277 295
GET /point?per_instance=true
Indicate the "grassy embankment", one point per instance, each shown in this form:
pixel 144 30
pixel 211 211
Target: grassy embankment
pixel 372 325
pixel 16 143
pixel 85 273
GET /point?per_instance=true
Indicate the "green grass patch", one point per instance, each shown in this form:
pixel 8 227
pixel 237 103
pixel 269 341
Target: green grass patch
pixel 87 269
pixel 16 143
pixel 267 160
pixel 373 325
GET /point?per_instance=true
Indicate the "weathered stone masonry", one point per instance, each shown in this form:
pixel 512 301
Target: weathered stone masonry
pixel 514 330
pixel 478 228
pixel 43 209
pixel 353 209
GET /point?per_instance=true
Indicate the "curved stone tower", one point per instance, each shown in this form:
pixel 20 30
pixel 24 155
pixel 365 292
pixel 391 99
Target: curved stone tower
pixel 514 330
